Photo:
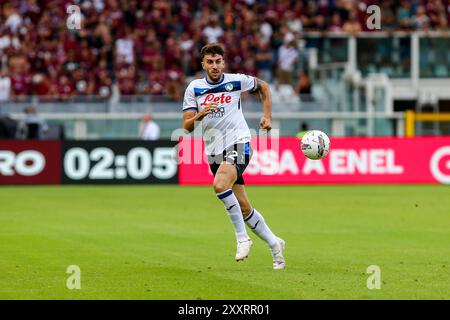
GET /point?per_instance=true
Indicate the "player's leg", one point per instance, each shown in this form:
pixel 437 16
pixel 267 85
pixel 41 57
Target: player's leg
pixel 256 222
pixel 244 202
pixel 224 179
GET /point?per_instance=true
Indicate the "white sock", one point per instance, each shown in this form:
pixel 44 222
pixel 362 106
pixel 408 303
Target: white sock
pixel 256 222
pixel 234 212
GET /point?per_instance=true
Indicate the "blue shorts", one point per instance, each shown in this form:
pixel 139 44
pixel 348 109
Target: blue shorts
pixel 238 154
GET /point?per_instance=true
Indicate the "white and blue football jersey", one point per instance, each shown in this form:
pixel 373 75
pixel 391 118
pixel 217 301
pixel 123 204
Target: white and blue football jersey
pixel 226 126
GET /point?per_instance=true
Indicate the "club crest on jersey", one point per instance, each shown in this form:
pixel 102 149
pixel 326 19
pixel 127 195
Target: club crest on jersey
pixel 229 87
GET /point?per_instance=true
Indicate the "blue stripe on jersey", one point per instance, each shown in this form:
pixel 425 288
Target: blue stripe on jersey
pixel 226 87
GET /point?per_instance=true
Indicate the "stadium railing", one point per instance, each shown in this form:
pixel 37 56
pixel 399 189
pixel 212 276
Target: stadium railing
pixel 126 125
pixel 413 61
pixel 412 117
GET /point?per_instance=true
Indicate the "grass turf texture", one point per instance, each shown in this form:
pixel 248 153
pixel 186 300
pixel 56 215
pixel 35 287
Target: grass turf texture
pixel 172 242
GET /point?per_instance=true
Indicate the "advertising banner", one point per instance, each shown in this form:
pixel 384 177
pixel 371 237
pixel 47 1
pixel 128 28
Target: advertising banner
pixel 351 160
pixel 30 162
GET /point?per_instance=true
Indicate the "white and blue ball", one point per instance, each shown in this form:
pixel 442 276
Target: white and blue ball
pixel 315 144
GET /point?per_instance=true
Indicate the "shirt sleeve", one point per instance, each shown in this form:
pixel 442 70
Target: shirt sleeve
pixel 189 101
pixel 248 83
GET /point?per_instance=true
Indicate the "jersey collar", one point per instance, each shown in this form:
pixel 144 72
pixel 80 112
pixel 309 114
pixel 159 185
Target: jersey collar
pixel 214 83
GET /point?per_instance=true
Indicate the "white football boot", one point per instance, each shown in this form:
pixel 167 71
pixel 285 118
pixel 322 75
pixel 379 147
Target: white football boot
pixel 277 255
pixel 243 249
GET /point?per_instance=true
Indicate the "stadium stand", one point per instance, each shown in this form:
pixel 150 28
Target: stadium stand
pixel 151 47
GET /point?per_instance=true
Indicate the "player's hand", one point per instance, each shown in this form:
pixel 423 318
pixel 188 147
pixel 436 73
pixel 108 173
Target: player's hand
pixel 210 107
pixel 265 123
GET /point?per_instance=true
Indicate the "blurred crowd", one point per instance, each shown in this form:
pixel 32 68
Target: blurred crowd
pixel 152 47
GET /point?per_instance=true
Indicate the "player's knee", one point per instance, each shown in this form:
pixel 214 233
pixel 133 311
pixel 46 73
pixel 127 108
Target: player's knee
pixel 220 186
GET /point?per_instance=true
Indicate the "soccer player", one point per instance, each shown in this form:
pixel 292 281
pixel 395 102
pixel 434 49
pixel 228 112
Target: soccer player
pixel 215 101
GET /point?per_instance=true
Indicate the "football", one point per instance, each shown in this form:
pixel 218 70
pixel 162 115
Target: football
pixel 315 144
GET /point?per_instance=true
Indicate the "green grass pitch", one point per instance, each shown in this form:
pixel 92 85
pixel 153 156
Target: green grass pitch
pixel 172 242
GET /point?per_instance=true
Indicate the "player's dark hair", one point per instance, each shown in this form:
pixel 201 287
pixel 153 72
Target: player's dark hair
pixel 212 49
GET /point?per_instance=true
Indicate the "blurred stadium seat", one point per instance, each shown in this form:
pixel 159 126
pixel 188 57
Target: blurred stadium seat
pixel 131 56
pixel 151 47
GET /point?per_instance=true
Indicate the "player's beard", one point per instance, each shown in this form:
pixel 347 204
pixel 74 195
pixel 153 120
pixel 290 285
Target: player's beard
pixel 215 77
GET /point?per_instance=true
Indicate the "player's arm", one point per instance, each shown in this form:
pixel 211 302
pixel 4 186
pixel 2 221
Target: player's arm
pixel 191 116
pixel 190 110
pixel 263 89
